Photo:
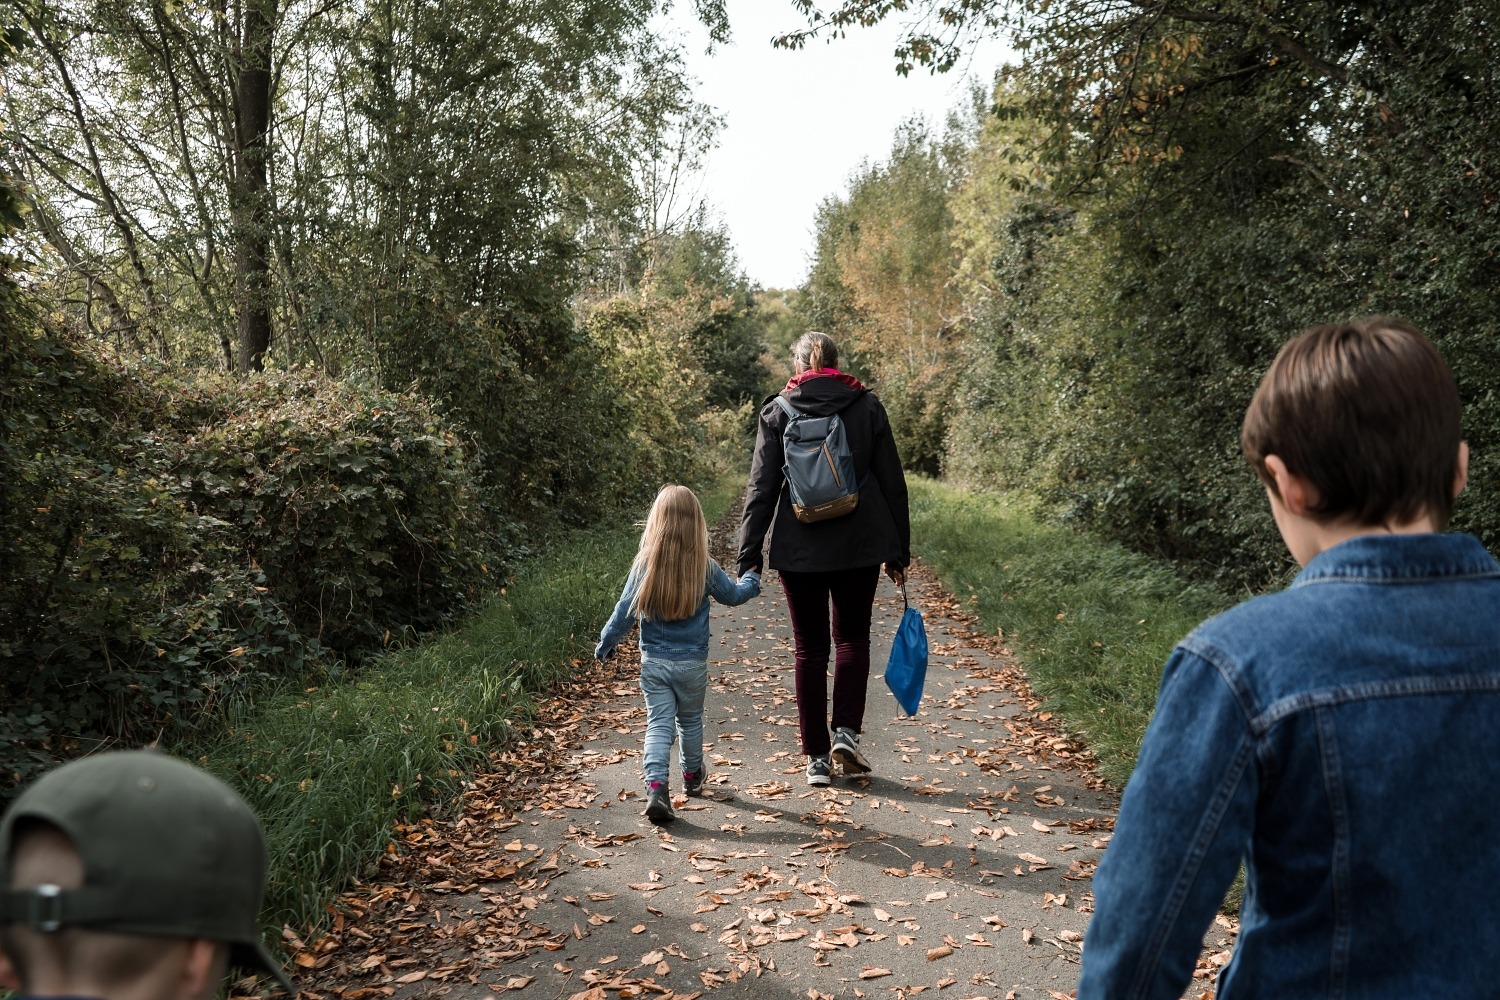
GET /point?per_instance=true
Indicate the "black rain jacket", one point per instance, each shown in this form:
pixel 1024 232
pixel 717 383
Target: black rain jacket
pixel 879 529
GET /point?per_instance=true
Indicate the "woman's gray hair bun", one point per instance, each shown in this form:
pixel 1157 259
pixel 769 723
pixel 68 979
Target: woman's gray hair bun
pixel 814 350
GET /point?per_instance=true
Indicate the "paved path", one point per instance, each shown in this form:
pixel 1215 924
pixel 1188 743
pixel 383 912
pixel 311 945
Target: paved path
pixel 959 868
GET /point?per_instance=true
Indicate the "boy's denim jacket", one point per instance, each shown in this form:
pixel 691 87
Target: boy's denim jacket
pixel 1342 738
pixel 685 638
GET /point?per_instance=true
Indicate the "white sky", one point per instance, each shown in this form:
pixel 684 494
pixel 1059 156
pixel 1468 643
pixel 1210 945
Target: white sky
pixel 797 124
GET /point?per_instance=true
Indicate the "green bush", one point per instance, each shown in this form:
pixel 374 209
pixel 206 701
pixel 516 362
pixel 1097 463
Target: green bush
pixel 172 546
pixel 1115 407
pixel 918 401
pixel 122 610
pixel 661 420
pixel 562 432
pixel 355 502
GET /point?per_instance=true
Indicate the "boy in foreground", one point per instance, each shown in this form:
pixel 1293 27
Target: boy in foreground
pixel 130 876
pixel 1339 737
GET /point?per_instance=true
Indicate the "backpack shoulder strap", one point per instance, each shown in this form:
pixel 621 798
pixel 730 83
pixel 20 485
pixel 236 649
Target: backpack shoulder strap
pixel 791 411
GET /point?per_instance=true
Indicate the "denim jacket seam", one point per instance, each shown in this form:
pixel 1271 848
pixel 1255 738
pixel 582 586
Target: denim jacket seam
pixel 1192 864
pixel 1404 688
pixel 1231 674
pixel 1432 577
pixel 1338 808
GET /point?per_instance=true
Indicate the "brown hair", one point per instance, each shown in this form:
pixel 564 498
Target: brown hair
pixel 814 350
pixel 1368 413
pixel 673 557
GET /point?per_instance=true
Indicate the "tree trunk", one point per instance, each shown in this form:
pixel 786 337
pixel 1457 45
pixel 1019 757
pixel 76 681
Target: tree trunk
pixel 110 202
pixel 249 198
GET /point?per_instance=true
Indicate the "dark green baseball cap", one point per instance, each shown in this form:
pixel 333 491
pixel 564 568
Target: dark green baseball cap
pixel 168 850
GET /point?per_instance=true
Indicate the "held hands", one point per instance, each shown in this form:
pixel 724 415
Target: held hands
pixel 601 654
pixel 896 573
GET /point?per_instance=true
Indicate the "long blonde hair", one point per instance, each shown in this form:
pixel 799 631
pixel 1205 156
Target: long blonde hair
pixel 673 557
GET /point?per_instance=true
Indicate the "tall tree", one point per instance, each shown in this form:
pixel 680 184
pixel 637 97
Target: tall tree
pixel 704 301
pixel 881 281
pixel 162 114
pixel 249 197
pixel 1214 175
pixel 244 154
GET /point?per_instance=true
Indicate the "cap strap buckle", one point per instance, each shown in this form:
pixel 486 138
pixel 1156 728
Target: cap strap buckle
pixel 44 910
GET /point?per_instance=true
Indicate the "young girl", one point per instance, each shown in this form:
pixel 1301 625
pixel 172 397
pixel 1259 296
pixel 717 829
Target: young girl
pixel 667 590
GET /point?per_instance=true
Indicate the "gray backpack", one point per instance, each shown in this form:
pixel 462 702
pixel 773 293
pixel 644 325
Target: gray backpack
pixel 818 465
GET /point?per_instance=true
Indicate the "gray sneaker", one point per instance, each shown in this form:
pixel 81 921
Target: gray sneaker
pixel 846 752
pixel 659 805
pixel 692 781
pixel 818 770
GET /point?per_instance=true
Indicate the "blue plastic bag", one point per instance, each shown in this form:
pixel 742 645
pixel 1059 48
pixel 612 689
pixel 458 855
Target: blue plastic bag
pixel 906 670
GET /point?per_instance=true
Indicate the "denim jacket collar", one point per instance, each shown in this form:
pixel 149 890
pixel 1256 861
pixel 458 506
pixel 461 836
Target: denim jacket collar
pixel 1399 559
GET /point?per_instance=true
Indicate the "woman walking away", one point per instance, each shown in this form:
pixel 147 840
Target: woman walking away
pixel 836 559
pixel 667 591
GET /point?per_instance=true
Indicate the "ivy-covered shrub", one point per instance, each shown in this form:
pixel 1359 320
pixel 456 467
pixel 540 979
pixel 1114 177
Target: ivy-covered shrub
pixel 168 545
pixel 528 388
pixel 354 502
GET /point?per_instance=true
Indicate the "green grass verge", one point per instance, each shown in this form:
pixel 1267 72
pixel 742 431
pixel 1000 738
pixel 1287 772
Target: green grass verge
pixel 329 769
pixel 1092 622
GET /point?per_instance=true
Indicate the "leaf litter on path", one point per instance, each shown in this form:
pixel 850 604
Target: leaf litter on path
pixel 474 900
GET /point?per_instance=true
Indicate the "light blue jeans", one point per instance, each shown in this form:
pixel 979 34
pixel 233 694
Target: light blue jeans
pixel 674 691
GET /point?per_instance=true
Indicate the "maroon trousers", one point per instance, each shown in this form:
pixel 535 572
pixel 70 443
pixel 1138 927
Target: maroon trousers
pixel 851 593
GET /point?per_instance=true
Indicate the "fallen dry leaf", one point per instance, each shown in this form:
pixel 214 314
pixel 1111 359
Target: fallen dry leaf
pixel 417 914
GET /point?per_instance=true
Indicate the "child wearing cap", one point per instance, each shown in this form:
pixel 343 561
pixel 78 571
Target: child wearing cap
pixel 1338 737
pixel 130 875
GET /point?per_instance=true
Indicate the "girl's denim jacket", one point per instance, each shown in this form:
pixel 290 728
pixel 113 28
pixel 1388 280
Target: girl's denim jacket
pixel 685 638
pixel 1342 739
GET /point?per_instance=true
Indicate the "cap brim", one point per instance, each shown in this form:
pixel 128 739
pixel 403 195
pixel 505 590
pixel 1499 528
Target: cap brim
pixel 255 958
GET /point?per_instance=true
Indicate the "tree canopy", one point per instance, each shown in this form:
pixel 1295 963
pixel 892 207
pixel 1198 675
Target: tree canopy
pixel 1161 194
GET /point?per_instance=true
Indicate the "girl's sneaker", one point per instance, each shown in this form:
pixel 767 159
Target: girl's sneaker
pixel 819 770
pixel 692 781
pixel 846 752
pixel 659 803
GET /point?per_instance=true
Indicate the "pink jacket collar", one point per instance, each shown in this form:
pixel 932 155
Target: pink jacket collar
pixel 813 373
